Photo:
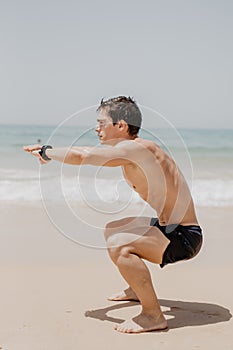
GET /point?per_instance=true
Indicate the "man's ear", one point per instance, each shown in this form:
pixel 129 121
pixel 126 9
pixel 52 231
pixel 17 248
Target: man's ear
pixel 123 125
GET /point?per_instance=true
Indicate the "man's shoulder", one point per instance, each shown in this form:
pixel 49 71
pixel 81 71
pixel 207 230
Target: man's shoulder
pixel 145 142
pixel 149 145
pixel 140 148
pixel 138 142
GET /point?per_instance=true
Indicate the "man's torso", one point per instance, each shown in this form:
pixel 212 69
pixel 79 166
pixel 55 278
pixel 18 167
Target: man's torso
pixel 158 180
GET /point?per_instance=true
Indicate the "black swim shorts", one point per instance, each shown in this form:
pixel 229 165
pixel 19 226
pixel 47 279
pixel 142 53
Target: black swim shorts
pixel 185 241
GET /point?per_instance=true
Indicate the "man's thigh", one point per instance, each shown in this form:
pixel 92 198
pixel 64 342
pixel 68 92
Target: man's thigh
pixel 147 242
pixel 151 246
pixel 126 224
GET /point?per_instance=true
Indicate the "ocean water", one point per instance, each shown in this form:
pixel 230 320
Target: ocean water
pixel 204 156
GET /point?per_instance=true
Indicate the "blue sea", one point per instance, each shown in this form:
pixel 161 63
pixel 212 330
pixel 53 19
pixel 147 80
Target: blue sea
pixel 204 156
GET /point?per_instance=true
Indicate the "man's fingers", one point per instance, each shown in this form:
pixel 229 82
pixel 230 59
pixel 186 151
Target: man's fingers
pixel 31 148
pixel 34 150
pixel 36 154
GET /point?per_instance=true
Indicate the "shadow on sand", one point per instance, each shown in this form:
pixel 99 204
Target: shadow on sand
pixel 184 313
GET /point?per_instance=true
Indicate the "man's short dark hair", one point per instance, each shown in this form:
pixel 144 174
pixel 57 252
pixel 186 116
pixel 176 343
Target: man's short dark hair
pixel 123 108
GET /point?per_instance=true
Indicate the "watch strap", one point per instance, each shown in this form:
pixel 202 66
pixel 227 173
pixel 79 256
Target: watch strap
pixel 43 150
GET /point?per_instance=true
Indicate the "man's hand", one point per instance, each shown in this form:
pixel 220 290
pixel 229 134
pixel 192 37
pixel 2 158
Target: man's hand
pixel 31 148
pixel 34 150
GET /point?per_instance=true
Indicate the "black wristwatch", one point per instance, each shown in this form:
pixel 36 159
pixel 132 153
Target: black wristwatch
pixel 43 150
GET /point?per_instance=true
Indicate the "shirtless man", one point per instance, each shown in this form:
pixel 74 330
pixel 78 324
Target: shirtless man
pixel 173 236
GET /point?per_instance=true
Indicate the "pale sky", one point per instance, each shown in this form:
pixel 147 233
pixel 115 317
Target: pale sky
pixel 173 56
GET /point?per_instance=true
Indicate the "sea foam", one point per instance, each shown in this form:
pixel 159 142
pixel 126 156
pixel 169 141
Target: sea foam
pixel 25 187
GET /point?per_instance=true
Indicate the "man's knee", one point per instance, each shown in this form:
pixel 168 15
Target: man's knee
pixel 116 254
pixel 116 250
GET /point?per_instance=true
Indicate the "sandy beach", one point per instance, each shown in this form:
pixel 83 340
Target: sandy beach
pixel 53 291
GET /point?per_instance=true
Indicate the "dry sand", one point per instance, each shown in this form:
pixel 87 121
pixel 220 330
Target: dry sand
pixel 53 291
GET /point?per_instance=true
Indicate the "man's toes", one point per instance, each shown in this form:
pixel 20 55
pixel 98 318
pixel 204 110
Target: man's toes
pixel 128 330
pixel 113 297
pixel 118 328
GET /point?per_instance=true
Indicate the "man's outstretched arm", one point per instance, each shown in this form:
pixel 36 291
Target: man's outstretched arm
pixel 65 155
pixel 114 156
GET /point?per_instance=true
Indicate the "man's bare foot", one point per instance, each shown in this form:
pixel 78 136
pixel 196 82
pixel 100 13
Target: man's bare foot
pixel 127 294
pixel 143 323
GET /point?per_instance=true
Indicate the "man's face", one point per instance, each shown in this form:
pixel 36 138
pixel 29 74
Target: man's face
pixel 105 129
